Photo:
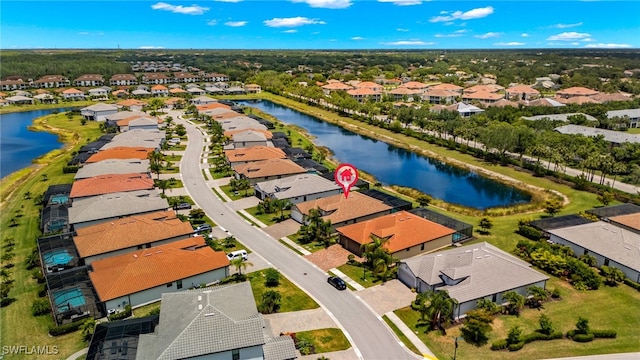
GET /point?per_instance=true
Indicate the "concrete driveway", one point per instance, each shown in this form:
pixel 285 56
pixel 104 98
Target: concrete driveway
pixel 386 297
pixel 282 229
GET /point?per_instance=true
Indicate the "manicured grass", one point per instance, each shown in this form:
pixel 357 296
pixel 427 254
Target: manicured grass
pixel 607 309
pixel 231 194
pixel 634 131
pixel 293 299
pixel 219 175
pixel 172 184
pixel 215 191
pixel 356 273
pixel 178 147
pixel 173 157
pixel 268 219
pixel 311 247
pixel 401 335
pixel 325 340
pixel 289 246
pixel 18 326
pixel 247 219
pixel 146 309
pixel 171 168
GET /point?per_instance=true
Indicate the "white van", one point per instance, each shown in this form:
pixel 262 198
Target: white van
pixel 238 253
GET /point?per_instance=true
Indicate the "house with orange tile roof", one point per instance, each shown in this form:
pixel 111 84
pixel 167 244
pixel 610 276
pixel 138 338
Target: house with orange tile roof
pixel 335 86
pixel 128 234
pixel 485 88
pixel 159 90
pixel 414 85
pixel 448 87
pixel 405 234
pixel 255 153
pixel 363 94
pixel 110 183
pixel 575 91
pixel 142 276
pixel 579 100
pixel 73 94
pixel 211 106
pixel 121 152
pixel 131 104
pixel 123 80
pixel 483 97
pixel 401 93
pixel 522 92
pixel 88 80
pixel 177 91
pixel 439 96
pixel 340 210
pixel 263 170
pixel 252 88
pixel 369 85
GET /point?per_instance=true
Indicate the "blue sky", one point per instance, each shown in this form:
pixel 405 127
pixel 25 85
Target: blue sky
pixel 319 24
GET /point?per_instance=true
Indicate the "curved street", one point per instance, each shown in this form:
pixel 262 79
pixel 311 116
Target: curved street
pixel 369 335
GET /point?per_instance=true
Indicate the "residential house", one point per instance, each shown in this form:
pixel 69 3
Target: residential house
pixel 405 235
pixel 205 100
pixel 616 243
pixel 297 189
pixel 214 77
pixel 159 90
pixel 121 152
pixel 558 117
pixel 129 234
pixel 196 91
pixel 136 138
pixel 448 87
pixel 110 183
pixel 235 90
pixel 492 88
pixel 369 85
pixel 483 97
pixel 504 103
pixel 632 114
pixel 522 92
pixel 402 93
pixel 335 86
pixel 544 102
pixel 465 110
pixel 439 96
pixel 252 88
pixel 183 77
pixel 414 85
pixel 98 209
pixel 99 94
pixel 175 103
pixel 249 137
pixel 255 153
pixel 469 274
pixel 364 94
pixel 155 79
pixel 89 80
pixel 123 80
pixel 577 100
pixel 604 97
pixel 228 314
pixel 611 136
pixel 138 122
pixel 115 166
pixel 140 93
pixel 212 89
pixel 131 105
pixel 575 91
pixel 13 84
pixel 52 81
pixel 45 98
pixel 259 171
pixel 229 122
pixel 73 94
pixel 99 111
pixel 341 210
pixel 177 92
pixel 142 276
pixel 19 100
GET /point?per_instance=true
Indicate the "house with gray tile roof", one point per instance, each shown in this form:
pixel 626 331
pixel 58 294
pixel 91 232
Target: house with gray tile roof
pixel 558 117
pixel 217 322
pixel 632 114
pixel 297 188
pixel 611 244
pixel 151 139
pixel 612 136
pixel 470 273
pixel 113 166
pixel 98 209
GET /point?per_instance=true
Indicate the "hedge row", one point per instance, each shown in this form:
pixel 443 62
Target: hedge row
pixel 632 283
pixel 122 314
pixel 65 329
pixel 592 334
pixel 534 336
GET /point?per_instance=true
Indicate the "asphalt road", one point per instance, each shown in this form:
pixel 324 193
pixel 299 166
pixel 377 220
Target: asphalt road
pixel 368 334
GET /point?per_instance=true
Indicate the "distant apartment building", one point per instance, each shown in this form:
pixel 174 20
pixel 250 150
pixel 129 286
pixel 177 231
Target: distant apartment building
pixel 52 81
pixel 123 80
pixel 89 80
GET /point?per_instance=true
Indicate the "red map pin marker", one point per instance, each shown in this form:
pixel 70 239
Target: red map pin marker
pixel 346 176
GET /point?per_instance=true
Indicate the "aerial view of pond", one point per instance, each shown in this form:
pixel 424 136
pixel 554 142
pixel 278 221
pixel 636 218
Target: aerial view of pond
pixel 392 165
pixel 19 146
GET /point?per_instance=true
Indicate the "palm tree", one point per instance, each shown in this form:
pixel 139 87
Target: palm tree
pixel 281 204
pixel 87 329
pixel 240 264
pixel 162 185
pixel 155 162
pixel 515 302
pixel 378 256
pixel 436 307
pixel 270 302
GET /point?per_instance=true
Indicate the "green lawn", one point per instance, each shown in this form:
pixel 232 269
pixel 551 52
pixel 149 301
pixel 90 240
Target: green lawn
pixel 219 175
pixel 401 335
pixel 634 131
pixel 178 147
pixel 356 273
pixel 325 340
pixel 146 309
pixel 18 326
pixel 232 195
pixel 172 158
pixel 607 309
pixel 293 299
pixel 171 168
pixel 268 219
pixel 311 247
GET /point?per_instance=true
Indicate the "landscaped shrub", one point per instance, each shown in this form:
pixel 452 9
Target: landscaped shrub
pixel 516 346
pixel 70 169
pixel 604 334
pixel 499 345
pixel 271 277
pixel 122 314
pixel 632 283
pixel 528 231
pixel 538 336
pixel 582 337
pixel 40 307
pixel 65 329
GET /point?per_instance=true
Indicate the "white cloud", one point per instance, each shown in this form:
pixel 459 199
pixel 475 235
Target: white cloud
pixel 524 35
pixel 290 31
pixel 402 2
pixel 326 4
pixel 466 15
pixel 87 33
pixel 357 38
pixel 608 46
pixel 401 29
pixel 179 9
pixel 566 26
pixel 512 43
pixel 488 35
pixel 456 33
pixel 292 22
pixel 236 23
pixel 407 43
pixel 212 22
pixel 151 47
pixel 569 36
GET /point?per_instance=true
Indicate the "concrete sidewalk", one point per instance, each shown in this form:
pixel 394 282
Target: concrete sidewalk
pixel 424 350
pixel 347 279
pixel 300 249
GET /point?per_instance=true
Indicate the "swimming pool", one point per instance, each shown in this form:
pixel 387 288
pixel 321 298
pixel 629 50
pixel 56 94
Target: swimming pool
pixel 57 257
pixel 59 199
pixel 68 298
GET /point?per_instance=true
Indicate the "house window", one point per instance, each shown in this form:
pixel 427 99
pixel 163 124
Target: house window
pixel 170 284
pixel 179 284
pixel 606 262
pixel 494 297
pixel 235 354
pixel 586 252
pixel 422 247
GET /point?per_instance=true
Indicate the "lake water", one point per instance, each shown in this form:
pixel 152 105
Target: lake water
pixel 392 165
pixel 18 145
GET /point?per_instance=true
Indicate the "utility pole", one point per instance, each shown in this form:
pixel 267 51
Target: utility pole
pixel 455 349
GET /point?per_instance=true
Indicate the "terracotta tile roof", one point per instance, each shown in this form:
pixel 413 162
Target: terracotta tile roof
pixel 121 275
pixel 51 78
pixel 368 84
pixel 414 85
pixel 177 91
pixel 130 102
pixel 483 95
pixel 337 86
pixel 254 153
pixel 403 229
pixel 112 183
pixel 479 88
pixel 90 77
pixel 576 91
pixel 159 87
pixel 450 87
pixel 126 121
pixel 212 106
pixel 578 100
pixel 117 77
pixel 227 114
pixel 365 91
pixel 72 91
pixel 405 91
pixel 630 220
pixel 338 209
pixel 440 93
pixel 268 135
pixel 173 100
pixel 121 152
pixel 602 97
pixel 520 89
pixel 503 103
pixel 270 167
pixel 130 231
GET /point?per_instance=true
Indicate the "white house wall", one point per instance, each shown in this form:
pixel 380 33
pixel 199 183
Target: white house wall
pixel 155 293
